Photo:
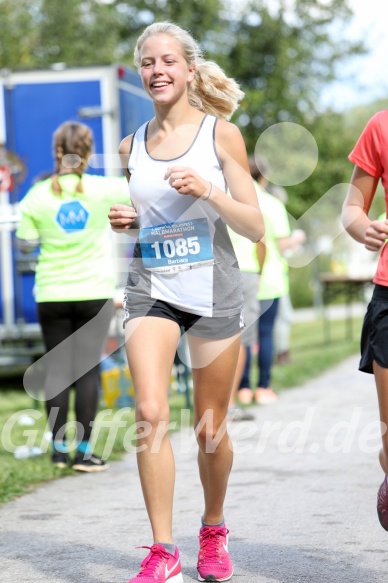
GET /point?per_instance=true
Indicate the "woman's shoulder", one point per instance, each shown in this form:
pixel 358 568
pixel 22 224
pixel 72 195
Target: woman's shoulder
pixel 126 144
pixel 39 188
pixel 226 129
pixel 382 114
pixel 378 120
pixel 229 137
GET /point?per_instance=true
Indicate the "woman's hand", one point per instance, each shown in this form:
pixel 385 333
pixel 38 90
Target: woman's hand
pixel 186 181
pixel 376 234
pixel 122 217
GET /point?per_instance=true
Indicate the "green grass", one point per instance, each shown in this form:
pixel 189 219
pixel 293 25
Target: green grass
pixel 311 355
pixel 113 434
pixel 312 352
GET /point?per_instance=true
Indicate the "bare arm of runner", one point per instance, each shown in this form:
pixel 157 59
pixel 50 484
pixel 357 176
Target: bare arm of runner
pixel 355 210
pixel 123 217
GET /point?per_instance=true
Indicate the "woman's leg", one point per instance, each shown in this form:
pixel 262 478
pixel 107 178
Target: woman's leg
pixel 151 344
pixel 381 379
pixel 212 388
pixel 91 324
pixel 238 375
pixel 266 347
pixel 245 382
pixel 56 325
pixel 282 329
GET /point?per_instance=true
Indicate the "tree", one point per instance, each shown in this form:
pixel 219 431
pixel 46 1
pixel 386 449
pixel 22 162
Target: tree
pixel 333 168
pixel 39 33
pixel 18 35
pixel 77 32
pixel 283 58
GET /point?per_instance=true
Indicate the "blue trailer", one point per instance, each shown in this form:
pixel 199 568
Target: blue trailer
pixel 112 102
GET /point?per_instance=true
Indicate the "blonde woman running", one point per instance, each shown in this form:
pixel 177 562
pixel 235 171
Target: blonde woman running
pixel 184 274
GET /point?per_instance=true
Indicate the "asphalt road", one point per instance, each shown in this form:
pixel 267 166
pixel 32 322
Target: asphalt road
pixel 301 505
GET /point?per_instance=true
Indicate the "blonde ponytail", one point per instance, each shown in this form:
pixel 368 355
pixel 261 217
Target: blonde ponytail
pixel 213 92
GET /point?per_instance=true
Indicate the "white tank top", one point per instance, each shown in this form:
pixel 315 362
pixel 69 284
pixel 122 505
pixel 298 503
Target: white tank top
pixel 214 288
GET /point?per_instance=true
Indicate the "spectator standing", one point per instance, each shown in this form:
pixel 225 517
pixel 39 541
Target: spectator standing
pixel 247 254
pixel 284 316
pixel 66 215
pixel 274 280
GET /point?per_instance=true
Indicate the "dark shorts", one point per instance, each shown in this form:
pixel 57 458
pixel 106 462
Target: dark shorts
pixel 193 324
pixel 374 336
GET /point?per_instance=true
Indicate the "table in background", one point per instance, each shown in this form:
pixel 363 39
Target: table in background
pixel 350 287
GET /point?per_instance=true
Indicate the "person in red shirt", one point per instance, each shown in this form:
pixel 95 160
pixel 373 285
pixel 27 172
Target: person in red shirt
pixel 370 156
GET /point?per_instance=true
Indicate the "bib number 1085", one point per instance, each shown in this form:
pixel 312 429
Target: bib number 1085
pixel 173 247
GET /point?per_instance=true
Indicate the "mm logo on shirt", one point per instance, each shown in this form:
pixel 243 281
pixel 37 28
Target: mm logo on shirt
pixel 72 216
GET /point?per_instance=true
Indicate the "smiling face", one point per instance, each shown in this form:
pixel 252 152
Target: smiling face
pixel 164 70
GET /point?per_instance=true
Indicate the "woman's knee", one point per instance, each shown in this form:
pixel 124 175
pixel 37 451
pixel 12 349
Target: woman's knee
pixel 152 411
pixel 210 433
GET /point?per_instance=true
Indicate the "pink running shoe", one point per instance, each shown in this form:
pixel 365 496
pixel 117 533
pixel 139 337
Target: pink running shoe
pixel 214 563
pixel 382 504
pixel 159 566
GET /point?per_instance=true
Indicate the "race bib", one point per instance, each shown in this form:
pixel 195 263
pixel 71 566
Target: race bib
pixel 174 247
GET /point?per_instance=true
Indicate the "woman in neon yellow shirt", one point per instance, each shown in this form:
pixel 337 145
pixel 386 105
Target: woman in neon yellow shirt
pixel 74 285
